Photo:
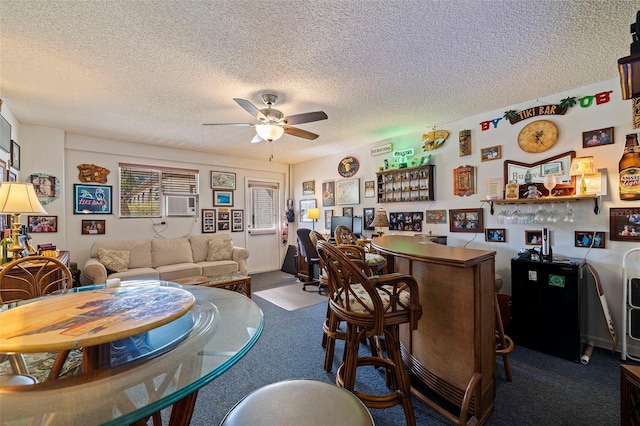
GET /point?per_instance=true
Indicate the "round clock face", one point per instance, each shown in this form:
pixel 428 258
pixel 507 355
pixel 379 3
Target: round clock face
pixel 538 136
pixel 348 166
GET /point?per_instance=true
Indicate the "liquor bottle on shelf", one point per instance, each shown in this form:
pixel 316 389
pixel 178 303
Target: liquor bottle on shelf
pixel 7 242
pixel 629 169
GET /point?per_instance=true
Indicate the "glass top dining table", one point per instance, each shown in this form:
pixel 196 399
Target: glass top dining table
pixel 223 327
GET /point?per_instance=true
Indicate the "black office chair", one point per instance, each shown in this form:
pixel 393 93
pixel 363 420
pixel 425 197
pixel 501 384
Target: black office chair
pixel 307 260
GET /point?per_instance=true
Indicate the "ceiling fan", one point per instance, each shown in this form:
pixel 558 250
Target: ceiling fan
pixel 272 124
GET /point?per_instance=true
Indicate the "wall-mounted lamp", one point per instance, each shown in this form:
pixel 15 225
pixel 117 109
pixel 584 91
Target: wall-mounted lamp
pixel 313 214
pixel 269 132
pixel 629 66
pixel 581 166
pixel 380 221
pixel 17 198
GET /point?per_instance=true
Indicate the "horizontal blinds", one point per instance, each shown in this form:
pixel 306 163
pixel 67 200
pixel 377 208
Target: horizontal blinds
pixel 179 183
pixel 139 192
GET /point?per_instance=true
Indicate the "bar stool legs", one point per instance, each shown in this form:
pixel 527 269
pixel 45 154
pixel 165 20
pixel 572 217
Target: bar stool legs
pixel 395 374
pixel 504 344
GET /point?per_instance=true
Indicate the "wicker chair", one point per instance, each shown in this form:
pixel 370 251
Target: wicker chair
pixel 27 278
pixel 372 306
pixel 375 260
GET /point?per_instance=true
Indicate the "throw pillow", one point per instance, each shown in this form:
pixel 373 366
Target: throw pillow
pixel 114 260
pixel 220 249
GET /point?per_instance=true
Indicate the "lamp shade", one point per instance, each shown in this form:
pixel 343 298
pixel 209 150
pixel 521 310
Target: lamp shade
pixel 381 220
pixel 269 132
pixel 583 166
pixel 313 213
pixel 19 197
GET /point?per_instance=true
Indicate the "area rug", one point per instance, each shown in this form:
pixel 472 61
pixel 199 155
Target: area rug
pixel 40 364
pixel 291 297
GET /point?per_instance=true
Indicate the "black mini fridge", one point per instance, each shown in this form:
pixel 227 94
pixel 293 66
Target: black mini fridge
pixel 548 305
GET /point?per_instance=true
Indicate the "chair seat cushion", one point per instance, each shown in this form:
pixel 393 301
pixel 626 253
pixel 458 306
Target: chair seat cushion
pixel 365 306
pixel 373 259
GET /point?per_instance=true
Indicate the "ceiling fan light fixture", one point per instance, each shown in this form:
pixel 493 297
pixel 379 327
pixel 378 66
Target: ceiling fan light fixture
pixel 269 132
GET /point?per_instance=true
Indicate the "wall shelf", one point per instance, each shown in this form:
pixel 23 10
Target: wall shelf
pixel 410 184
pixel 548 200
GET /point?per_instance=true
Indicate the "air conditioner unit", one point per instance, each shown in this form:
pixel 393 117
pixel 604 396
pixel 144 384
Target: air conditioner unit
pixel 175 205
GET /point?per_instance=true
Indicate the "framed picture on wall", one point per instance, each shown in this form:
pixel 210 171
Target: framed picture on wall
pixel 208 221
pixel 223 180
pixel 305 205
pixel 309 187
pixel 15 155
pixel 466 220
pixel 223 198
pixel 348 191
pixel 533 237
pixel 93 227
pixel 224 220
pixel 91 199
pixel 42 224
pixel 589 239
pixel 328 214
pixel 237 220
pixel 597 137
pixel 624 224
pixel 495 235
pixel 347 211
pixel 5 135
pixel 369 214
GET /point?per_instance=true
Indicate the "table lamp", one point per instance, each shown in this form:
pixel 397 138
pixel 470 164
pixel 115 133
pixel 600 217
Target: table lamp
pixel 380 221
pixel 17 198
pixel 581 166
pixel 314 215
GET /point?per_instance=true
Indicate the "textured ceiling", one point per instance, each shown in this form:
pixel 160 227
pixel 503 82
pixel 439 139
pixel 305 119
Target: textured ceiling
pixel 154 71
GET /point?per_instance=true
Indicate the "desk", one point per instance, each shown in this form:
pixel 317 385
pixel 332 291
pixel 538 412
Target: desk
pixel 455 336
pixel 226 326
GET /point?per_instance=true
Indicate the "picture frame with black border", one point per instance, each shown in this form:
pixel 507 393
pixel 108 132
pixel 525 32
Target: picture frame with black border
pixel 598 137
pixel 589 239
pixel 368 214
pixel 624 224
pixel 42 224
pixel 223 180
pixel 466 220
pixel 15 155
pixel 222 198
pixel 92 199
pixel 208 217
pixel 237 220
pixel 533 237
pixel 93 227
pixel 495 235
pixel 347 211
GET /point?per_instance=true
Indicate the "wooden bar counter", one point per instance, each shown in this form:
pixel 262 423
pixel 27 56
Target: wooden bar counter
pixel 455 337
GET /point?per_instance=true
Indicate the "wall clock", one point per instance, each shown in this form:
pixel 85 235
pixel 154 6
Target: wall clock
pixel 538 136
pixel 348 166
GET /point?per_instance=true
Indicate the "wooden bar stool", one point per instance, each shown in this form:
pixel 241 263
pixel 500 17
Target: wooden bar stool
pixel 299 402
pixel 372 307
pixel 504 343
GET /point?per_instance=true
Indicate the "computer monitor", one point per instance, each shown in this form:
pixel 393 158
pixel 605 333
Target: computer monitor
pixel 353 223
pixel 357 225
pixel 340 220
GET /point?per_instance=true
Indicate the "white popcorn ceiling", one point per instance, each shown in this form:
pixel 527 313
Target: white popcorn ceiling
pixel 154 71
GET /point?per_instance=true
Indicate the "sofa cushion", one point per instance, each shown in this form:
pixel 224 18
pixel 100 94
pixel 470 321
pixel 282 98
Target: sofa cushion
pixel 140 251
pixel 170 251
pixel 179 270
pixel 218 267
pixel 200 245
pixel 220 249
pixel 114 260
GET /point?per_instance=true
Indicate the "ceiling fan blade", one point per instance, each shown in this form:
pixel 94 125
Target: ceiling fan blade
pixel 248 106
pixel 294 131
pixel 229 124
pixel 256 139
pixel 307 117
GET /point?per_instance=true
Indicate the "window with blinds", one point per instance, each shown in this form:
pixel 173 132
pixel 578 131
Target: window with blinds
pixel 263 209
pixel 142 188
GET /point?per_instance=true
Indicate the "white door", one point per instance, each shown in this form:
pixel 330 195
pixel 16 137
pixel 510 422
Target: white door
pixel 264 226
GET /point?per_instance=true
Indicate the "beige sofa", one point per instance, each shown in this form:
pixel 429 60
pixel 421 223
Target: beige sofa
pixel 165 258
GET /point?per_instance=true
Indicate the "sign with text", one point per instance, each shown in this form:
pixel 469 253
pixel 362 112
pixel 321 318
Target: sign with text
pixel 92 199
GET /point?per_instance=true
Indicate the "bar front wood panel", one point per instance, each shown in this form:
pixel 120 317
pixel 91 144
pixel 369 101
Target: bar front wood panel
pixel 456 334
